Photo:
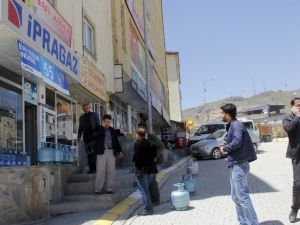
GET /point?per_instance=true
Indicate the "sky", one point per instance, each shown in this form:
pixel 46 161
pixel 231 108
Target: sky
pixel 235 47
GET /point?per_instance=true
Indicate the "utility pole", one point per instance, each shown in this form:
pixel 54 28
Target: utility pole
pixel 204 99
pixel 146 42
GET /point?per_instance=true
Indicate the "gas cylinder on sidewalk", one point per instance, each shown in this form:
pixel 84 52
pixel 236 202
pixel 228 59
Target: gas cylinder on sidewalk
pixel 192 167
pixel 189 183
pixel 180 198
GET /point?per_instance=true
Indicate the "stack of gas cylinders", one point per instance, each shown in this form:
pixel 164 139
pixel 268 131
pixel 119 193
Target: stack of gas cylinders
pixel 180 197
pixel 51 153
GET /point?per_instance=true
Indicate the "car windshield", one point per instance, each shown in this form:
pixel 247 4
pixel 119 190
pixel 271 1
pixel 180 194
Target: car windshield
pixel 216 135
pixel 209 129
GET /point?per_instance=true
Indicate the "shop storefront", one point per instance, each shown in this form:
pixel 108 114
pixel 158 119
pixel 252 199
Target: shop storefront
pixel 42 85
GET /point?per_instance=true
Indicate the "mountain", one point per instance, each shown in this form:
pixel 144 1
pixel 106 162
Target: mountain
pixel 212 110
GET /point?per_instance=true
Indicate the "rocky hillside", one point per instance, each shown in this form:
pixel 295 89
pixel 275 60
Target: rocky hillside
pixel 212 110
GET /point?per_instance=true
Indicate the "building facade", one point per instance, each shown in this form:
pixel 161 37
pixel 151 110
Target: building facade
pixel 54 56
pixel 129 58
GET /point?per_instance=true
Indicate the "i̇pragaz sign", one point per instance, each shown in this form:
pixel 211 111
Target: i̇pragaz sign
pixel 30 28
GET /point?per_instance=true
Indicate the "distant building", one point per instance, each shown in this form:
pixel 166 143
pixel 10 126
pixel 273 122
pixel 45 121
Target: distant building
pixel 264 113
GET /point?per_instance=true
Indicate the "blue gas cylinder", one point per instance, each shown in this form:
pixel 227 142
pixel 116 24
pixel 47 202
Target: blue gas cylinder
pixel 189 183
pixel 45 154
pixel 180 198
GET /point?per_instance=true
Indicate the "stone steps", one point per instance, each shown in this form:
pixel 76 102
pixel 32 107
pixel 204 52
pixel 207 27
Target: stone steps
pixel 81 203
pixel 80 197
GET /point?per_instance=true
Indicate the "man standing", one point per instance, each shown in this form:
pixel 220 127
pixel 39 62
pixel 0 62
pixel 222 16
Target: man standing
pixel 87 125
pixel 291 124
pixel 107 148
pixel 240 152
pixel 143 158
pixel 159 159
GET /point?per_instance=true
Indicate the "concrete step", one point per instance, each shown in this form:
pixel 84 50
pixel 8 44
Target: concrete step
pixel 81 203
pixel 83 177
pixel 88 187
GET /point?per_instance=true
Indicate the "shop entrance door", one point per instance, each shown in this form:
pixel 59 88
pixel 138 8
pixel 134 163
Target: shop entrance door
pixel 31 132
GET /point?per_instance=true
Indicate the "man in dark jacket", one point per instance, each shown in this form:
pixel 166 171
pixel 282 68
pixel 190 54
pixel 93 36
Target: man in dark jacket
pixel 107 147
pixel 159 159
pixel 87 124
pixel 291 124
pixel 240 152
pixel 143 158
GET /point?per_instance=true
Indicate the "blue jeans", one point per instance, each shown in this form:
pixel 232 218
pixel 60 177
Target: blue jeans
pixel 240 194
pixel 144 181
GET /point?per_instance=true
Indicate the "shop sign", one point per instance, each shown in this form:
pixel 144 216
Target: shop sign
pixel 92 79
pixel 44 10
pixel 138 83
pixel 18 17
pixel 35 63
pixel 30 92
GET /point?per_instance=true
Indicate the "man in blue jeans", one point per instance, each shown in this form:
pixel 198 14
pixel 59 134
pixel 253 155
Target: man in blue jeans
pixel 240 152
pixel 143 158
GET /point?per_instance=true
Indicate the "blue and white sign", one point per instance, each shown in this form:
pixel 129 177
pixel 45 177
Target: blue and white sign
pixel 35 63
pixel 19 18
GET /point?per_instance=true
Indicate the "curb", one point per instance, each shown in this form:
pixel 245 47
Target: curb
pixel 127 204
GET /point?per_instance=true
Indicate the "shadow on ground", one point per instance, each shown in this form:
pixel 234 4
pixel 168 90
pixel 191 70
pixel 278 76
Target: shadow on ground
pixel 271 222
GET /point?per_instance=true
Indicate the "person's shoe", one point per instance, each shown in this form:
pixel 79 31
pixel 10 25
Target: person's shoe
pixel 97 192
pixel 91 171
pixel 293 217
pixel 146 213
pixel 109 192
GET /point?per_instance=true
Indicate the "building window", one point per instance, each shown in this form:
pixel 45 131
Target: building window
pixel 123 28
pixel 88 36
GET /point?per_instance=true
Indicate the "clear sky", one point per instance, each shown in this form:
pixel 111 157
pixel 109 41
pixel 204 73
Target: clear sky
pixel 248 46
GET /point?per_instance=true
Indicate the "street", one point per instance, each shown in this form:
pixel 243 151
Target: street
pixel 270 183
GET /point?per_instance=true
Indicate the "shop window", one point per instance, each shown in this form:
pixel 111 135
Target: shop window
pixel 88 36
pixel 64 121
pixel 50 99
pixel 11 118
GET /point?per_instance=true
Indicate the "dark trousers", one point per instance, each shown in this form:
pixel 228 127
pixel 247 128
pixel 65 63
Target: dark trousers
pixel 92 158
pixel 296 185
pixel 154 190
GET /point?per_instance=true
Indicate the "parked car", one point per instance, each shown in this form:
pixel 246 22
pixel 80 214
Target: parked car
pixel 209 146
pixel 210 127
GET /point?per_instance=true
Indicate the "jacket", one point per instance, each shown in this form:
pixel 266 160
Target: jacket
pixel 99 137
pixel 88 129
pixel 238 144
pixel 143 157
pixel 291 125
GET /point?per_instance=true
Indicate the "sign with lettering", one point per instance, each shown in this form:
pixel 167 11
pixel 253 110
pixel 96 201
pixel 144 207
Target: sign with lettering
pixel 35 63
pixel 18 17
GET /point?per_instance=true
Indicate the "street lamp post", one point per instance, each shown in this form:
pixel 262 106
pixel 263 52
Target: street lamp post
pixel 146 42
pixel 204 99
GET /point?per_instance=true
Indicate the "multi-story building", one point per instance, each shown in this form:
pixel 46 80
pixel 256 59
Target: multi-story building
pixel 130 68
pixel 54 56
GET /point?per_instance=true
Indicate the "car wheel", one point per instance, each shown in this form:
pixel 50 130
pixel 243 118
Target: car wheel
pixel 216 153
pixel 255 147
